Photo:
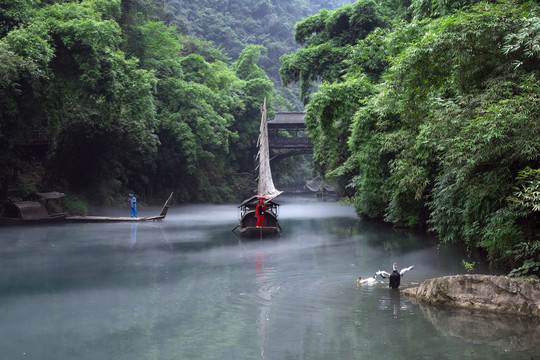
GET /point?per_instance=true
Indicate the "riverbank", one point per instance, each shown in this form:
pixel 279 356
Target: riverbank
pixel 499 294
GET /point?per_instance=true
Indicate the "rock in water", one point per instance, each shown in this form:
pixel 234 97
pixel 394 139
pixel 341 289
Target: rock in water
pixel 487 292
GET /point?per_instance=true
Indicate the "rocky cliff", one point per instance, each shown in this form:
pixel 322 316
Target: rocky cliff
pixel 486 292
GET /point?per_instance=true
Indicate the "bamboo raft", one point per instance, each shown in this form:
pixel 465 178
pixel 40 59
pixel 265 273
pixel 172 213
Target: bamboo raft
pixel 90 219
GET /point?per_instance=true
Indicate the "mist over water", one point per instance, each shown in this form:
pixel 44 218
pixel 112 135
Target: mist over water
pixel 189 288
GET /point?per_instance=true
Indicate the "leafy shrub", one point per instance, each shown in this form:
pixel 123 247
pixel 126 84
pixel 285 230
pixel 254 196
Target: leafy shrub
pixel 75 206
pixel 528 253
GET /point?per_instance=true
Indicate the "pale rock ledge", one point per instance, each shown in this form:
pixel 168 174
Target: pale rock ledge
pixel 499 294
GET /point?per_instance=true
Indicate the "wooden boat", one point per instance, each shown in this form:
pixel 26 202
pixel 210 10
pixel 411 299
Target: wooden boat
pixel 31 212
pixel 248 220
pixel 265 189
pixel 89 219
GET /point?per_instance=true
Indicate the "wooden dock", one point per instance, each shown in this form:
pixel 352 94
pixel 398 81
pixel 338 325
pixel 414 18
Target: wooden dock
pixel 112 218
pixel 92 219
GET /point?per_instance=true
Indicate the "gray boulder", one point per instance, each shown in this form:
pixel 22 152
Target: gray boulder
pixel 485 292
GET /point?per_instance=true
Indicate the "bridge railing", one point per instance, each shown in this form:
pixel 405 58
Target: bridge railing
pixel 290 142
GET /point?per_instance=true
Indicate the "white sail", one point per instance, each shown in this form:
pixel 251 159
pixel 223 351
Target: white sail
pixel 266 184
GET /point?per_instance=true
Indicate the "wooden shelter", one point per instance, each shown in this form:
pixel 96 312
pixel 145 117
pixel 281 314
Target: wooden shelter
pixel 27 212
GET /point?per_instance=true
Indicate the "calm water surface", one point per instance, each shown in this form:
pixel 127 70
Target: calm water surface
pixel 188 288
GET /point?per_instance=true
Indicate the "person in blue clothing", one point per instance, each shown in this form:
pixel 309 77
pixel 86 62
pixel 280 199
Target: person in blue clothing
pixel 133 205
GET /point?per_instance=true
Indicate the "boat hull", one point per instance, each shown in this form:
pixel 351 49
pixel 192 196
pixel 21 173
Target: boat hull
pixel 44 220
pixel 254 232
pixel 248 224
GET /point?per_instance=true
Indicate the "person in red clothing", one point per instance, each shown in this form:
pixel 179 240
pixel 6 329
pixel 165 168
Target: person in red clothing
pixel 260 209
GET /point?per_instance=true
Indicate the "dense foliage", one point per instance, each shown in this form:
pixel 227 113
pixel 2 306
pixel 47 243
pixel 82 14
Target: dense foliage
pixel 424 113
pixel 328 36
pixel 127 102
pixel 444 131
pixel 235 24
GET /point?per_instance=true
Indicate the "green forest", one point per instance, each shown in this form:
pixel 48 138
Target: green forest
pixel 234 24
pixel 132 97
pixel 127 102
pixel 426 115
pixel 423 113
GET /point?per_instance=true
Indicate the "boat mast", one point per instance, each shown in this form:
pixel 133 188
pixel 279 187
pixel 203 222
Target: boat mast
pixel 265 184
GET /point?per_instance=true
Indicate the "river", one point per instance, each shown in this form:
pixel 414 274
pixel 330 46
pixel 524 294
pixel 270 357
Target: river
pixel 189 288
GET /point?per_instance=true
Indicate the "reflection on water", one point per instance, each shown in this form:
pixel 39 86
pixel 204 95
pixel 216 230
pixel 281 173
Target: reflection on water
pixel 394 303
pixel 133 235
pixel 188 288
pixel 266 291
pixel 506 333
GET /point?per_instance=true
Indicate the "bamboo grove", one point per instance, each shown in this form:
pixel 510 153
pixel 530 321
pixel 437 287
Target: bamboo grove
pixel 426 114
pixel 127 102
